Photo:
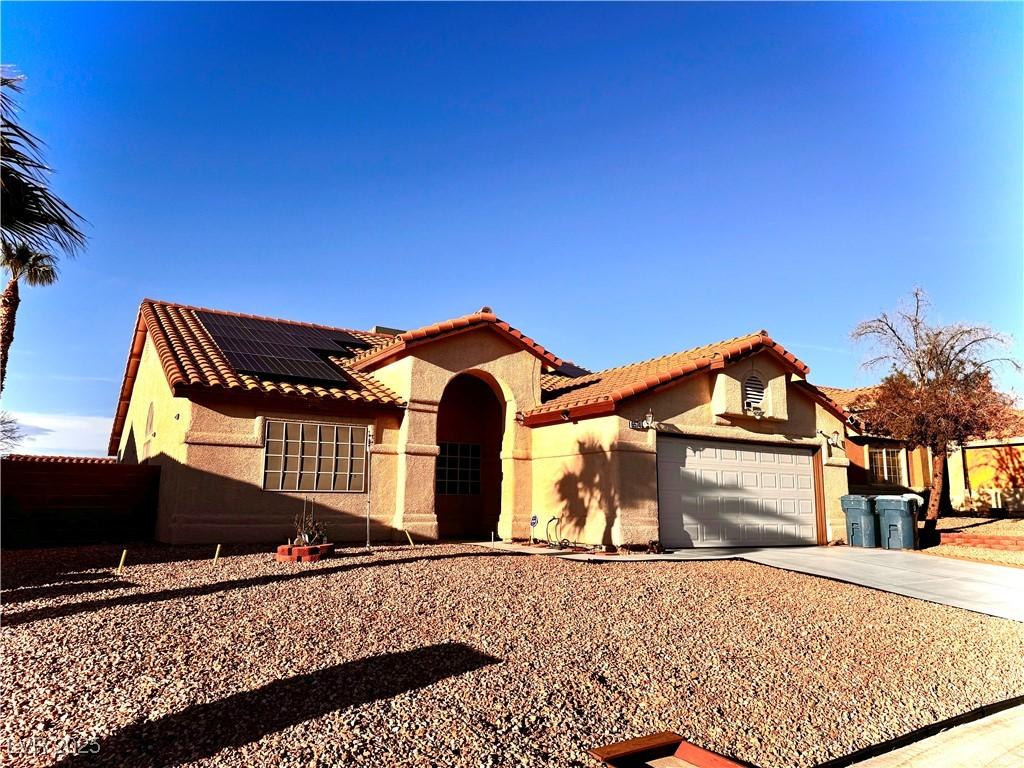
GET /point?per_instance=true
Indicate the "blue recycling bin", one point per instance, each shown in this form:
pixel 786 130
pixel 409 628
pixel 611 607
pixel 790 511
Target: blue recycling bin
pixel 861 523
pixel 897 519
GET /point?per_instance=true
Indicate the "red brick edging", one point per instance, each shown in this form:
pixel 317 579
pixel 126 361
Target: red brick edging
pixel 310 554
pixel 1010 543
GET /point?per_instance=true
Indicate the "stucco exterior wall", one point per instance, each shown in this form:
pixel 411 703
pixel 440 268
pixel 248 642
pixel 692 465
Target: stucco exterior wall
pixel 988 474
pixel 919 469
pixel 599 476
pixel 598 479
pixel 219 492
pixel 164 444
pixel 421 378
pixel 688 409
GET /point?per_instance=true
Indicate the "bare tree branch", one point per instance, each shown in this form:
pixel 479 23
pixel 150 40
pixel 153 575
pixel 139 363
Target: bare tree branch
pixel 939 393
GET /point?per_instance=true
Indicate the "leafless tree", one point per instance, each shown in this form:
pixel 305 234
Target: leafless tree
pixel 10 432
pixel 938 392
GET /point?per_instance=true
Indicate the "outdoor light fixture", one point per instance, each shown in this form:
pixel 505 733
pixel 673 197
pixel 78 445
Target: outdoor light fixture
pixel 647 423
pixel 565 415
pixel 834 440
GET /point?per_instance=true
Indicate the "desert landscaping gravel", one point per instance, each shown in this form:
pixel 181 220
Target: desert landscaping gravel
pixel 981 554
pixel 983 526
pixel 461 656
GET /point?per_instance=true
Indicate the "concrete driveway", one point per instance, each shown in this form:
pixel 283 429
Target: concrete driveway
pixel 996 590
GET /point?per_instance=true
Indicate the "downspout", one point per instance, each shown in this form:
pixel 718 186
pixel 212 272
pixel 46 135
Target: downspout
pixel 369 476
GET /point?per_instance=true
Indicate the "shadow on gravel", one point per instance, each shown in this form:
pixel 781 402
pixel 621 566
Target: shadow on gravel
pixel 202 730
pixel 34 567
pixel 141 598
pixel 24 594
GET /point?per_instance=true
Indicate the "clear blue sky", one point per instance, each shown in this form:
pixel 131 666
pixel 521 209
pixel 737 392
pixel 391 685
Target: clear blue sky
pixel 618 181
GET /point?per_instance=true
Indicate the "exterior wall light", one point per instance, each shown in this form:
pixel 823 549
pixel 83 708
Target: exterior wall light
pixel 647 423
pixel 835 440
pixel 648 419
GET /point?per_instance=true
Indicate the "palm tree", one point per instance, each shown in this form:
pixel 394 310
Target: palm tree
pixel 35 268
pixel 30 213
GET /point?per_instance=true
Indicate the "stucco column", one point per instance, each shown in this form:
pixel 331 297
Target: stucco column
pixel 516 495
pixel 959 496
pixel 414 483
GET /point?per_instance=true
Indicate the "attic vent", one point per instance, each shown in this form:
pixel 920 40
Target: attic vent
pixel 753 393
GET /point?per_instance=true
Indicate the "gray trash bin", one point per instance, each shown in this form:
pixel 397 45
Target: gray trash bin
pixel 897 518
pixel 861 523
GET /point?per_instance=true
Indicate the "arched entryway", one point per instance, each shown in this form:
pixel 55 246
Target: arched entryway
pixel 467 484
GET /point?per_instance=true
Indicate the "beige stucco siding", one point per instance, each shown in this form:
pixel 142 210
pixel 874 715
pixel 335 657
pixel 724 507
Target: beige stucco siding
pixel 164 445
pixel 220 493
pixel 598 476
pixel 597 479
pixel 420 379
pixel 170 414
pixel 688 409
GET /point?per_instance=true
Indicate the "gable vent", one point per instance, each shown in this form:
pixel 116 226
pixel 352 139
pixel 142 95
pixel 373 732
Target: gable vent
pixel 753 392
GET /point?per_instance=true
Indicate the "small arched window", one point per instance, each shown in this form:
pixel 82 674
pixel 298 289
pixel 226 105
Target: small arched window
pixel 149 422
pixel 753 392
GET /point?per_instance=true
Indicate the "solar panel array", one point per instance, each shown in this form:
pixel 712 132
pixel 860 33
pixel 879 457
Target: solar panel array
pixel 280 350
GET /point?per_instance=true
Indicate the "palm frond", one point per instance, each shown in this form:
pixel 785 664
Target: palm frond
pixel 30 212
pixel 36 268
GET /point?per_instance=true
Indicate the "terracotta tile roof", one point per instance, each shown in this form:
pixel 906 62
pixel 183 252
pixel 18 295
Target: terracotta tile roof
pixel 60 459
pixel 846 397
pixel 398 346
pixel 599 392
pixel 193 363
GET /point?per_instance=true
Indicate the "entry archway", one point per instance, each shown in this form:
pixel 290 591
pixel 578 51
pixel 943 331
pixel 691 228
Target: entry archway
pixel 467 480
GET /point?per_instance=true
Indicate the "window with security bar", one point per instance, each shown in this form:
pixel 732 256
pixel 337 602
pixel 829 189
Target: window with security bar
pixel 458 469
pixel 886 466
pixel 325 458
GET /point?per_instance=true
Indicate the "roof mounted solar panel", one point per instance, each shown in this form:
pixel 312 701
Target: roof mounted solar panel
pixel 278 349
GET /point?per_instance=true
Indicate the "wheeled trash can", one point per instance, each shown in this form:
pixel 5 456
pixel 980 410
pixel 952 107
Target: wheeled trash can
pixel 897 520
pixel 861 523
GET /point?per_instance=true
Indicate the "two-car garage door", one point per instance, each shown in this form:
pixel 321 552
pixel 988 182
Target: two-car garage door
pixel 720 494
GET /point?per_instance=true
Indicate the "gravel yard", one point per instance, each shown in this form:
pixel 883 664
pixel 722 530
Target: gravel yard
pixel 983 526
pixel 461 656
pixel 981 554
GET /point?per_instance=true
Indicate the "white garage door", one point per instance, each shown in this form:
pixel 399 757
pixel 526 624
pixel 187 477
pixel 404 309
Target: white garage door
pixel 718 494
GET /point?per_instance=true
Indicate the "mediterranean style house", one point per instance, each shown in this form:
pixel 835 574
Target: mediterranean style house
pixel 468 428
pixel 981 476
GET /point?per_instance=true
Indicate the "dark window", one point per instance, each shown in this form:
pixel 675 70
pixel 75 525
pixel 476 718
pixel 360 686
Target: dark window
pixel 458 470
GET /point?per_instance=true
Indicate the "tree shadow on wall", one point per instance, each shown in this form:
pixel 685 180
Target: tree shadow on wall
pixel 1006 492
pixel 596 488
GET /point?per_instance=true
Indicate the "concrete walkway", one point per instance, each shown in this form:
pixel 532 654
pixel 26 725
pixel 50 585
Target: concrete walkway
pixel 996 741
pixel 994 590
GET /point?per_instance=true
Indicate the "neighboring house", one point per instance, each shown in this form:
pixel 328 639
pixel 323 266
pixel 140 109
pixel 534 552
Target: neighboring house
pixel 983 475
pixel 989 474
pixel 878 464
pixel 476 429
